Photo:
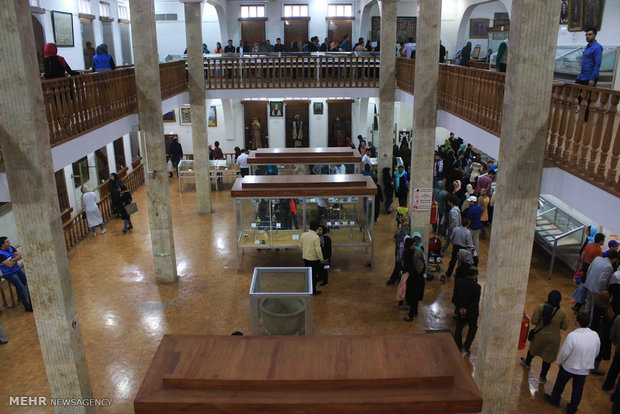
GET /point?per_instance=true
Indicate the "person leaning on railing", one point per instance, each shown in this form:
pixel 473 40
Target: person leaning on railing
pixel 55 66
pixel 102 61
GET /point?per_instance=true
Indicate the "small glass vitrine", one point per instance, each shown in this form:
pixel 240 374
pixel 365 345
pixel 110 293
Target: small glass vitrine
pixel 305 161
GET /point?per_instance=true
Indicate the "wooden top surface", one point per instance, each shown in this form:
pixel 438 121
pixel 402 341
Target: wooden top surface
pixel 303 185
pixel 281 374
pixel 321 155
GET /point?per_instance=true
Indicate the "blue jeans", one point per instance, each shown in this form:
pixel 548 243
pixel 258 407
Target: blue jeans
pixel 18 279
pixel 126 223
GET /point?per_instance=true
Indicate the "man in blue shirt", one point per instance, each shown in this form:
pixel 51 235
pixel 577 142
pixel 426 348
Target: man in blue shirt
pixel 9 258
pixel 591 61
pixel 346 44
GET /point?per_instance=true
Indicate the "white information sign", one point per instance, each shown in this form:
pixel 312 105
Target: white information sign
pixel 422 199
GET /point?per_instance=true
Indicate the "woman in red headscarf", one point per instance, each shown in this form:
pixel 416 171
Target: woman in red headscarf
pixel 55 66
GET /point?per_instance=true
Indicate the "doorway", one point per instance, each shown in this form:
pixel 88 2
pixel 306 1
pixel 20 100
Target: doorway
pixel 88 36
pixel 253 31
pixel 338 129
pixel 258 110
pixel 295 34
pixel 108 38
pixel 103 168
pixel 126 43
pixel 291 109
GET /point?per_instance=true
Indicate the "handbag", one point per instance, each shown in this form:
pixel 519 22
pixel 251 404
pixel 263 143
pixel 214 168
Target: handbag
pixel 131 208
pixel 533 332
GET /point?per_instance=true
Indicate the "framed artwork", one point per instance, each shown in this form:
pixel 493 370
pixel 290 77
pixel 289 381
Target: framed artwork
pixel 62 26
pixel 478 28
pixel 405 28
pixel 318 108
pixel 185 115
pixel 592 14
pixel 275 109
pixel 564 12
pixel 170 116
pixel 212 117
pixel 575 10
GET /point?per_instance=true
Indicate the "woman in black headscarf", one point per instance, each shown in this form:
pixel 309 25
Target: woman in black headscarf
pixel 115 187
pixel 466 54
pixel 549 318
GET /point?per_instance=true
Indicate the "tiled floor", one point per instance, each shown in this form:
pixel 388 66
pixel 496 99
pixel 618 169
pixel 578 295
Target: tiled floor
pixel 124 313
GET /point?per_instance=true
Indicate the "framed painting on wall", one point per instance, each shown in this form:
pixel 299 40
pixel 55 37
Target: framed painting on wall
pixel 212 117
pixel 170 116
pixel 575 10
pixel 592 14
pixel 405 28
pixel 317 108
pixel 275 109
pixel 478 28
pixel 62 26
pixel 564 12
pixel 185 115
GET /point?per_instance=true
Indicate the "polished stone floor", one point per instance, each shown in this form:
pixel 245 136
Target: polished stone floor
pixel 124 313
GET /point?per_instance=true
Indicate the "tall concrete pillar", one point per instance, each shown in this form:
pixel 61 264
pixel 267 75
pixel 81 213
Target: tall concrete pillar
pixel 25 144
pixel 387 85
pixel 424 114
pixel 148 88
pixel 529 77
pixel 196 77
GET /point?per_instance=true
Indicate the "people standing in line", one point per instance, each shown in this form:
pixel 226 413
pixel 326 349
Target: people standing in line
pixel 414 264
pixel 591 60
pixel 312 253
pixel 549 319
pixel 612 245
pixel 439 195
pixel 346 44
pixel 465 54
pixel 614 368
pixel 55 66
pixel 409 49
pixel 576 359
pixel 388 190
pixel 474 214
pixel 437 170
pixel 124 201
pixel 115 187
pixel 326 248
pixel 401 185
pixel 9 265
pixel 454 219
pixel 175 150
pixel 242 162
pixel 460 238
pixel 484 202
pixel 466 300
pixel 602 317
pixel 93 215
pixel 597 278
pixel 102 61
pixel 591 252
pixel 502 56
pixel 400 236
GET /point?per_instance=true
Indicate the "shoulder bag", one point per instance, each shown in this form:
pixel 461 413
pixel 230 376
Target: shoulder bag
pixel 533 332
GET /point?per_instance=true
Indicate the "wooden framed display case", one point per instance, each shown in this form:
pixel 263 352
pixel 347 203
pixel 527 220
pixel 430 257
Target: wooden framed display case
pixel 265 209
pixel 299 161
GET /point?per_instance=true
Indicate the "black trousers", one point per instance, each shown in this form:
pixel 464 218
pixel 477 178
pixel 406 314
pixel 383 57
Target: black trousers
pixel 472 321
pixel 455 251
pixel 614 370
pixel 560 383
pixel 316 271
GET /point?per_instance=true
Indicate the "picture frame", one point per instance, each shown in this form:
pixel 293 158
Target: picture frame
pixel 62 26
pixel 575 12
pixel 592 14
pixel 212 117
pixel 563 11
pixel 169 116
pixel 478 28
pixel 317 108
pixel 185 115
pixel 275 109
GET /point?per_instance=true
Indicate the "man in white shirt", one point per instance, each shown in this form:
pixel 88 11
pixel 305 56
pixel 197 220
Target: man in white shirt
pixel 242 162
pixel 409 48
pixel 576 359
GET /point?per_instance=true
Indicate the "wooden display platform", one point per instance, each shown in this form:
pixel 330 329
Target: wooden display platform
pixel 322 155
pixel 312 374
pixel 335 185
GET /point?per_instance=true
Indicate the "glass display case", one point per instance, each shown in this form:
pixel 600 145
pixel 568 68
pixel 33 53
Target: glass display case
pixel 558 233
pixel 279 215
pixel 281 301
pixel 568 63
pixel 218 171
pixel 305 169
pixel 304 161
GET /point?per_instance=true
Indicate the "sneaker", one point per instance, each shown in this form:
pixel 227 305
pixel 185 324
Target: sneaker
pixel 130 227
pixel 525 364
pixel 551 401
pixel 124 230
pixel 104 231
pixel 4 341
pixel 597 372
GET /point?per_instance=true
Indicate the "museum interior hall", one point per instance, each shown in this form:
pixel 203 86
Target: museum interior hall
pixel 298 206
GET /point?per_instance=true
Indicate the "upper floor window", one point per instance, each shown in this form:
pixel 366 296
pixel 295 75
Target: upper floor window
pixel 339 10
pixel 123 12
pixel 295 10
pixel 104 9
pixel 84 6
pixel 34 3
pixel 252 11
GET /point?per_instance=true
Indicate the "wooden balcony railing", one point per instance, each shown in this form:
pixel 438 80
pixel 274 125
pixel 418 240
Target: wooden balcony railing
pixel 583 134
pixel 76 228
pixel 292 72
pixel 79 104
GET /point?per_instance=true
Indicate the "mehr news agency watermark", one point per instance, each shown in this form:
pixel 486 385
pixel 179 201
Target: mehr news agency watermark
pixel 43 401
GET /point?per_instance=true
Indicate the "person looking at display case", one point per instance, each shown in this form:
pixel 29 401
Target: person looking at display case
pixel 591 61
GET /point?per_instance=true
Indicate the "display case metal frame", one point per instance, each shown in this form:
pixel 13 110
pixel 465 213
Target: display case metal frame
pixel 298 160
pixel 353 189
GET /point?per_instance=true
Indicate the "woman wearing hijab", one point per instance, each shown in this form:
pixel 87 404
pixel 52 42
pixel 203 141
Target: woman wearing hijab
pixel 415 264
pixel 55 66
pixel 465 54
pixel 400 185
pixel 102 61
pixel 549 318
pixel 90 207
pixel 591 232
pixel 326 248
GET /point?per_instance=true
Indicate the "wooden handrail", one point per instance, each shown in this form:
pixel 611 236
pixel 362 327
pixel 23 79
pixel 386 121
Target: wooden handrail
pixel 76 228
pixel 583 129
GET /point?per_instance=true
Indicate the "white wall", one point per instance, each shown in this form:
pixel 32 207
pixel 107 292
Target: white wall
pixel 609 35
pixel 485 11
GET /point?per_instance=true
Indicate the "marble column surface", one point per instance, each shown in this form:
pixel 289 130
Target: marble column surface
pixel 196 77
pixel 144 39
pixel 529 78
pixel 425 110
pixel 30 174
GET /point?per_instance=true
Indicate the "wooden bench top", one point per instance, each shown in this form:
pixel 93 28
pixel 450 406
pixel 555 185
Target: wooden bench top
pixel 303 185
pixel 309 374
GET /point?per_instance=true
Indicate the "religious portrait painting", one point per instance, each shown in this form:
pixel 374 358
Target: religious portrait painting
pixel 185 115
pixel 564 12
pixel 478 28
pixel 592 14
pixel 575 10
pixel 275 109
pixel 318 108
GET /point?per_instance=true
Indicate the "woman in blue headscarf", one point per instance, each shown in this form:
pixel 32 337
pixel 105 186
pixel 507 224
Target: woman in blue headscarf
pixel 400 185
pixel 102 61
pixel 415 264
pixel 549 318
pixel 591 231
